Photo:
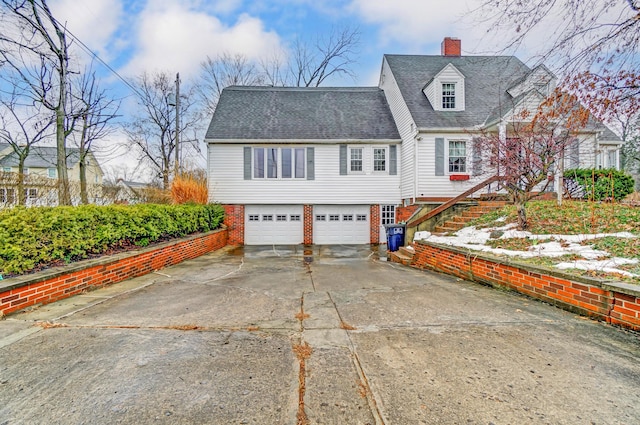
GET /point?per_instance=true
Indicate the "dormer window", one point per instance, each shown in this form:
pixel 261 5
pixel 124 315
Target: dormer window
pixel 445 91
pixel 448 96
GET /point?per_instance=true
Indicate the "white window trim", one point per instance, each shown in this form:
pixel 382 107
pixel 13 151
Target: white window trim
pixel 387 214
pixel 467 163
pixel 368 159
pixel 363 159
pixel 279 174
pixel 455 95
pixel 386 160
pixel 459 94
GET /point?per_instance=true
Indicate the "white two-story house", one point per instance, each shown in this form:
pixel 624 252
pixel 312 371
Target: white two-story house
pixel 332 165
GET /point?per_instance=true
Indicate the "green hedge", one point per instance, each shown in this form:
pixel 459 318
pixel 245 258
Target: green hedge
pixel 596 184
pixel 30 237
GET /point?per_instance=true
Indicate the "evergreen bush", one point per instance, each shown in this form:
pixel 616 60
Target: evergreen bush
pixel 600 185
pixel 31 237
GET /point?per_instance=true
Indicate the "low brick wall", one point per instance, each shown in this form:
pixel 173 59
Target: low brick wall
pixel 61 282
pixel 614 302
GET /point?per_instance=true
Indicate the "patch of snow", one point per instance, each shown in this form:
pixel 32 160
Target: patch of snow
pixel 476 239
pixel 607 266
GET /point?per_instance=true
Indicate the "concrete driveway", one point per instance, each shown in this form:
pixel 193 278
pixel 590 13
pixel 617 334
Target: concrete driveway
pixel 328 336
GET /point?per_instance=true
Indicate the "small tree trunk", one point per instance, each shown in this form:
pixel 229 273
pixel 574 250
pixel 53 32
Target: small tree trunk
pixel 521 204
pixel 64 197
pixel 84 197
pixel 22 196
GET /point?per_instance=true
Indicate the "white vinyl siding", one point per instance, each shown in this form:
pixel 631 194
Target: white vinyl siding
pixel 406 128
pixel 228 186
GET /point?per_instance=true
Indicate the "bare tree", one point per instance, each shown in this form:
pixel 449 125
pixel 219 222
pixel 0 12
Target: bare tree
pixel 94 111
pixel 22 127
pixel 34 46
pixel 327 56
pixel 592 34
pixel 530 152
pixel 222 71
pixel 310 64
pixel 152 130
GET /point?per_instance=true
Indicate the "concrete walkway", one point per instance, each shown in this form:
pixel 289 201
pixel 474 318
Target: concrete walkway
pixel 328 336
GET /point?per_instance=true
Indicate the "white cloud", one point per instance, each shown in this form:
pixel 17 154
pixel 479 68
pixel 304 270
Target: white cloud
pixel 415 24
pixel 174 36
pixel 94 22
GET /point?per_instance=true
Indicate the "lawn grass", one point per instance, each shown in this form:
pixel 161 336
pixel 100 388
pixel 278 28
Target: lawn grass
pixel 573 218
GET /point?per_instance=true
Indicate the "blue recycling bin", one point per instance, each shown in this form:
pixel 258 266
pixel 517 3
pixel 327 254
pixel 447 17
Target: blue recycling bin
pixel 395 236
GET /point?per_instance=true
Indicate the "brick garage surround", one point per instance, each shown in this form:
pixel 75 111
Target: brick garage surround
pixel 374 224
pixel 61 282
pixel 614 302
pixel 308 224
pixel 234 220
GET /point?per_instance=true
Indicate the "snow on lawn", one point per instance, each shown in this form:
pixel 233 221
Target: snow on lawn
pixel 475 239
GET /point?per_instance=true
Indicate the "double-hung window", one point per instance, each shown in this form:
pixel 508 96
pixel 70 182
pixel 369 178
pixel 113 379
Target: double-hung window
pixel 278 163
pixel 356 160
pixel 457 156
pixel 448 96
pixel 379 159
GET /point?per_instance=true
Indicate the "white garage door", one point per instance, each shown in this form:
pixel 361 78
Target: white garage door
pixel 273 225
pixel 340 224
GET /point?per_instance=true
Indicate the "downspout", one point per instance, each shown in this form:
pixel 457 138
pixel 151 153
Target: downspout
pixel 415 166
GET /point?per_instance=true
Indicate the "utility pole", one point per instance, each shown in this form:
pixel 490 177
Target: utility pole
pixel 177 125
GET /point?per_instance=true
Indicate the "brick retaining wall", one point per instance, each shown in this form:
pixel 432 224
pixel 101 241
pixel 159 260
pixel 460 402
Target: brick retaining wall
pixel 61 282
pixel 615 302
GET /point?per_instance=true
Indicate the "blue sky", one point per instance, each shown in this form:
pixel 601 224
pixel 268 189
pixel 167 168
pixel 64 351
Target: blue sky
pixel 134 36
pixel 176 35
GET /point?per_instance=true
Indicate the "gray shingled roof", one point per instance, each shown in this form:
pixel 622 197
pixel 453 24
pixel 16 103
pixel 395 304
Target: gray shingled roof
pixel 486 80
pixel 41 157
pixel 302 113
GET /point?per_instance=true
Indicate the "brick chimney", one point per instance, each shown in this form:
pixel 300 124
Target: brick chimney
pixel 451 47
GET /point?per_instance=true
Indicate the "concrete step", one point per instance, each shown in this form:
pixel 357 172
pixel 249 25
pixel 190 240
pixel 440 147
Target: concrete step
pixel 399 257
pixel 405 250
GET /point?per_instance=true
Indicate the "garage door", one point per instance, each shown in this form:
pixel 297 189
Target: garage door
pixel 340 224
pixel 273 225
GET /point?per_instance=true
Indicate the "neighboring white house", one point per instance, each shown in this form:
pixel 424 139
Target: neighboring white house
pixel 331 165
pixel 41 176
pixel 130 192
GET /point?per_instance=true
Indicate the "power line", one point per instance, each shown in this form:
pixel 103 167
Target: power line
pixel 92 53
